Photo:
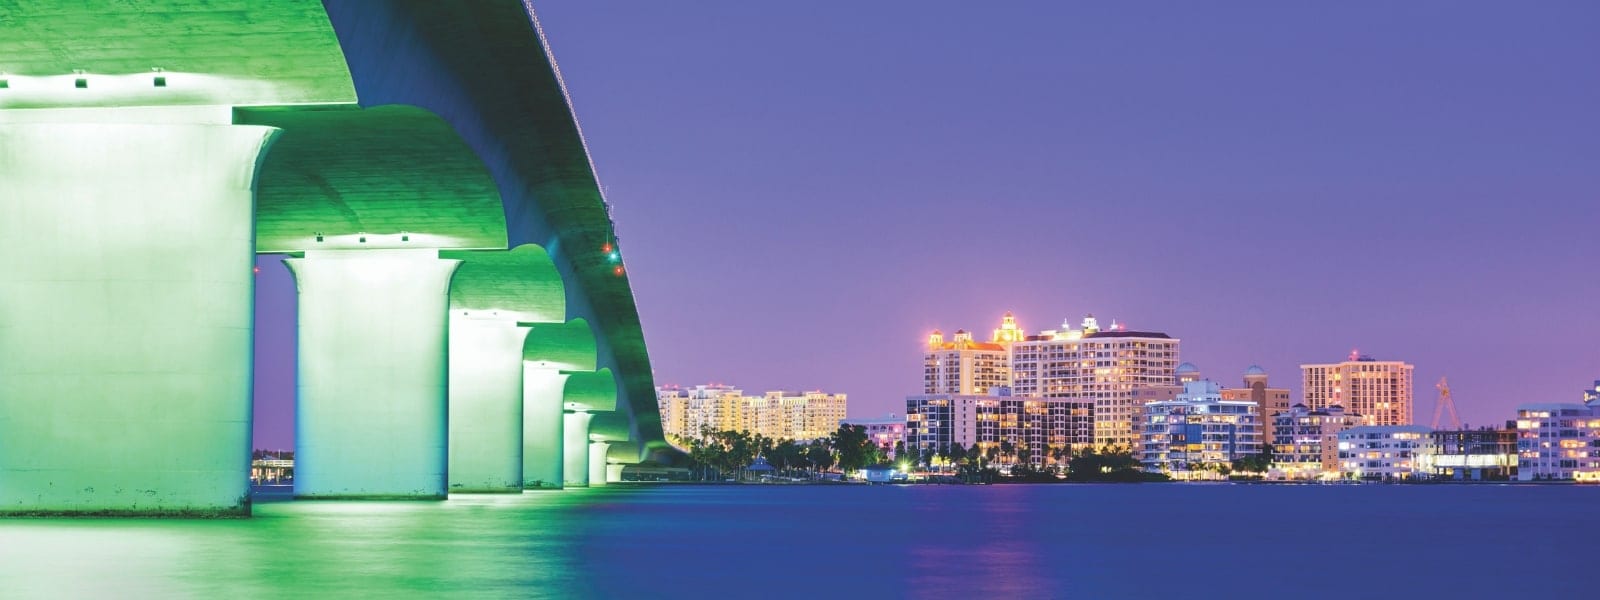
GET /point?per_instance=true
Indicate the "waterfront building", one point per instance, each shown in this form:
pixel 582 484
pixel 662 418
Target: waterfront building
pixel 1034 428
pixel 1385 452
pixel 1484 454
pixel 885 432
pixel 1187 372
pixel 1559 442
pixel 1198 433
pixel 1271 400
pixel 1380 391
pixel 689 412
pixel 1108 368
pixel 964 366
pixel 1305 442
pixel 1592 395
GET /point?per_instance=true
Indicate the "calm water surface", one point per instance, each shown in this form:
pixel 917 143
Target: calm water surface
pixel 1055 541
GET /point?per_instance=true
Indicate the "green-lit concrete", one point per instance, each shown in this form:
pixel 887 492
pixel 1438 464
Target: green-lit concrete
pixel 542 442
pixel 370 411
pixel 381 177
pixel 566 346
pixel 213 52
pixel 575 449
pixel 597 463
pixel 485 404
pixel 495 293
pixel 125 314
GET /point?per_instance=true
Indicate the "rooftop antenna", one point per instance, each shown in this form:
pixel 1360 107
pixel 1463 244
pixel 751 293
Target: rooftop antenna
pixel 1445 402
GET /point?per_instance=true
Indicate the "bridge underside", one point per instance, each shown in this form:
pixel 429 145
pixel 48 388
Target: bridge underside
pixel 465 321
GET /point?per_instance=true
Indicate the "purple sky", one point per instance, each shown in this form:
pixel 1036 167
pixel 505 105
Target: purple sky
pixel 805 191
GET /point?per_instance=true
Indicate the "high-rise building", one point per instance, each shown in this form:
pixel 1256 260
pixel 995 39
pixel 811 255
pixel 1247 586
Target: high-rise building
pixel 1194 435
pixel 1109 368
pixel 1559 442
pixel 1379 390
pixel 804 416
pixel 1271 400
pixel 1035 428
pixel 1305 442
pixel 964 366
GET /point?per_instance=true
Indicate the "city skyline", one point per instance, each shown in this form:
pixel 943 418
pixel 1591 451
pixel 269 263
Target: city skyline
pixel 800 215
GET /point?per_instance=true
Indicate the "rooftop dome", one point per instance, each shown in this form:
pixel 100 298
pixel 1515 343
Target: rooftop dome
pixel 1188 367
pixel 1255 370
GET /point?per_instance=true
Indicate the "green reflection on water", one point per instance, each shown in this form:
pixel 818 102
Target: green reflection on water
pixel 493 544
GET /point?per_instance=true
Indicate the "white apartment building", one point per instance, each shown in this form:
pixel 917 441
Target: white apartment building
pixel 1107 367
pixel 1380 391
pixel 1194 435
pixel 1385 452
pixel 963 366
pixel 885 432
pixel 1558 442
pixel 1305 442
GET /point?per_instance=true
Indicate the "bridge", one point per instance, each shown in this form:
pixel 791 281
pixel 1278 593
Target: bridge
pixel 465 318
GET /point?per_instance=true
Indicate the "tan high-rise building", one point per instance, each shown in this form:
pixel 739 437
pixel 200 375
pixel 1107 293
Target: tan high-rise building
pixel 964 366
pixel 1116 369
pixel 803 416
pixel 1380 391
pixel 1271 400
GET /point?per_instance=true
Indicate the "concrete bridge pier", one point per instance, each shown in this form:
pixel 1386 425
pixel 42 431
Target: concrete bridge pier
pixel 597 462
pixel 542 425
pixel 575 452
pixel 126 292
pixel 486 407
pixel 371 406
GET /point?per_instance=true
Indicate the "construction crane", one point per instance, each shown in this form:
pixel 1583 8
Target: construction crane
pixel 1445 403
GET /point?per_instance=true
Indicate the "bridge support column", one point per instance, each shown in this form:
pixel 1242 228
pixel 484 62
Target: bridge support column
pixel 575 453
pixel 614 472
pixel 542 424
pixel 597 463
pixel 126 293
pixel 370 412
pixel 485 404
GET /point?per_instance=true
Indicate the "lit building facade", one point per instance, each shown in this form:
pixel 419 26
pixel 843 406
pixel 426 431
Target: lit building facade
pixel 1487 454
pixel 1305 442
pixel 885 432
pixel 1107 368
pixel 1385 452
pixel 1034 427
pixel 1194 435
pixel 1558 442
pixel 1592 395
pixel 1272 401
pixel 1380 391
pixel 688 412
pixel 964 366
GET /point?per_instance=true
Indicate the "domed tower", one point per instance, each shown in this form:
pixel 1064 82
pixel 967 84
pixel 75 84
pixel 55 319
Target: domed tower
pixel 1255 377
pixel 1187 372
pixel 1008 331
pixel 935 340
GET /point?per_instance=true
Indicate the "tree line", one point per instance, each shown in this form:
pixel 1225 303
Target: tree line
pixel 727 454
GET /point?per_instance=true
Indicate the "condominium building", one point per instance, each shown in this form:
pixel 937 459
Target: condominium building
pixel 885 432
pixel 1271 400
pixel 1559 442
pixel 964 366
pixel 688 412
pixel 1380 391
pixel 1034 427
pixel 1305 442
pixel 1198 433
pixel 1108 367
pixel 1385 452
pixel 1486 454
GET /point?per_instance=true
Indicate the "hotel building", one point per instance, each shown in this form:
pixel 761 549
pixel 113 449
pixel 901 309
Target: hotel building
pixel 1385 452
pixel 1559 442
pixel 1305 442
pixel 1487 454
pixel 1380 391
pixel 803 416
pixel 963 366
pixel 1194 435
pixel 1108 368
pixel 1271 400
pixel 1035 427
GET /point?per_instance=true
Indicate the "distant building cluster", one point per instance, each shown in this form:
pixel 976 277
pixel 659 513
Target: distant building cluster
pixel 689 413
pixel 1044 396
